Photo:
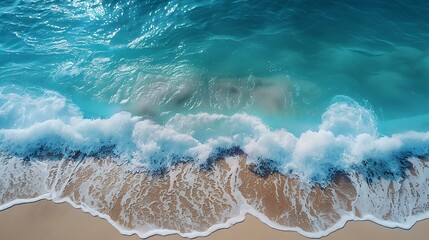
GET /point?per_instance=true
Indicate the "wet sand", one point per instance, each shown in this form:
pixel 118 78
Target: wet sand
pixel 45 220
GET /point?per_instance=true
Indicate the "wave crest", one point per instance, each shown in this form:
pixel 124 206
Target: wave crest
pixel 346 139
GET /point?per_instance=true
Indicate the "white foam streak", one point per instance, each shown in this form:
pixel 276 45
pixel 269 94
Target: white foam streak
pixel 346 137
pixel 391 204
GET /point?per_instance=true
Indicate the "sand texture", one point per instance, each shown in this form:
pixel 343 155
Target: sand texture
pixel 45 220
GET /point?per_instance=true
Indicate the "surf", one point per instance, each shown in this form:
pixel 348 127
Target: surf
pixel 206 110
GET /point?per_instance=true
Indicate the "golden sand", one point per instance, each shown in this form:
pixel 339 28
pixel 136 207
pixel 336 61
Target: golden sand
pixel 45 220
pixel 188 198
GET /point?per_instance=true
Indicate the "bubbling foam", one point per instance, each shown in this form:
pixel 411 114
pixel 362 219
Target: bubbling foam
pixel 211 168
pixel 21 108
pixel 347 138
pixel 191 202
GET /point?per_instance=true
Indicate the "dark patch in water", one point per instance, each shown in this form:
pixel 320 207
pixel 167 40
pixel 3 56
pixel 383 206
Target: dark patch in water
pixel 159 170
pixel 265 167
pixel 104 151
pixel 46 152
pixel 373 170
pixel 219 154
pixel 161 165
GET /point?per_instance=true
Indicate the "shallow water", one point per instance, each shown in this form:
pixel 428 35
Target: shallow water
pixel 300 88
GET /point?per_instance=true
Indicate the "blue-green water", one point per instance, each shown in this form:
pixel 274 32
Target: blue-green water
pixel 280 64
pixel 329 97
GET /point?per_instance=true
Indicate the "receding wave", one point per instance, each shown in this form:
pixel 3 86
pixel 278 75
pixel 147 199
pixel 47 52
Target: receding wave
pixel 208 170
pixel 183 116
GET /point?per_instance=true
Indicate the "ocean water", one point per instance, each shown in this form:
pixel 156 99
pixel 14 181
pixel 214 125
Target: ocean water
pixel 98 98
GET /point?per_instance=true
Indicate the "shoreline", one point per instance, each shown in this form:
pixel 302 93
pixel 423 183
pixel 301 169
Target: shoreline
pixel 275 193
pixel 48 220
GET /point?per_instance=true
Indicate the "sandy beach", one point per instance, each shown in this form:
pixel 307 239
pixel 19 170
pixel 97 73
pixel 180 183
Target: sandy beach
pixel 214 119
pixel 45 220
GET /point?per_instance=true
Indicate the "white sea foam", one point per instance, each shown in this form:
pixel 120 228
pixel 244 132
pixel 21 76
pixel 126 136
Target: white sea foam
pixel 347 136
pixel 20 108
pixel 404 203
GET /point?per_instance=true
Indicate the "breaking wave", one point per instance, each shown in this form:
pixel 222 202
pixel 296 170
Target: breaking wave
pixel 181 117
pixel 197 161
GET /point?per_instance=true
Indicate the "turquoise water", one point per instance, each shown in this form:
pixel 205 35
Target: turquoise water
pixel 232 67
pixel 124 108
